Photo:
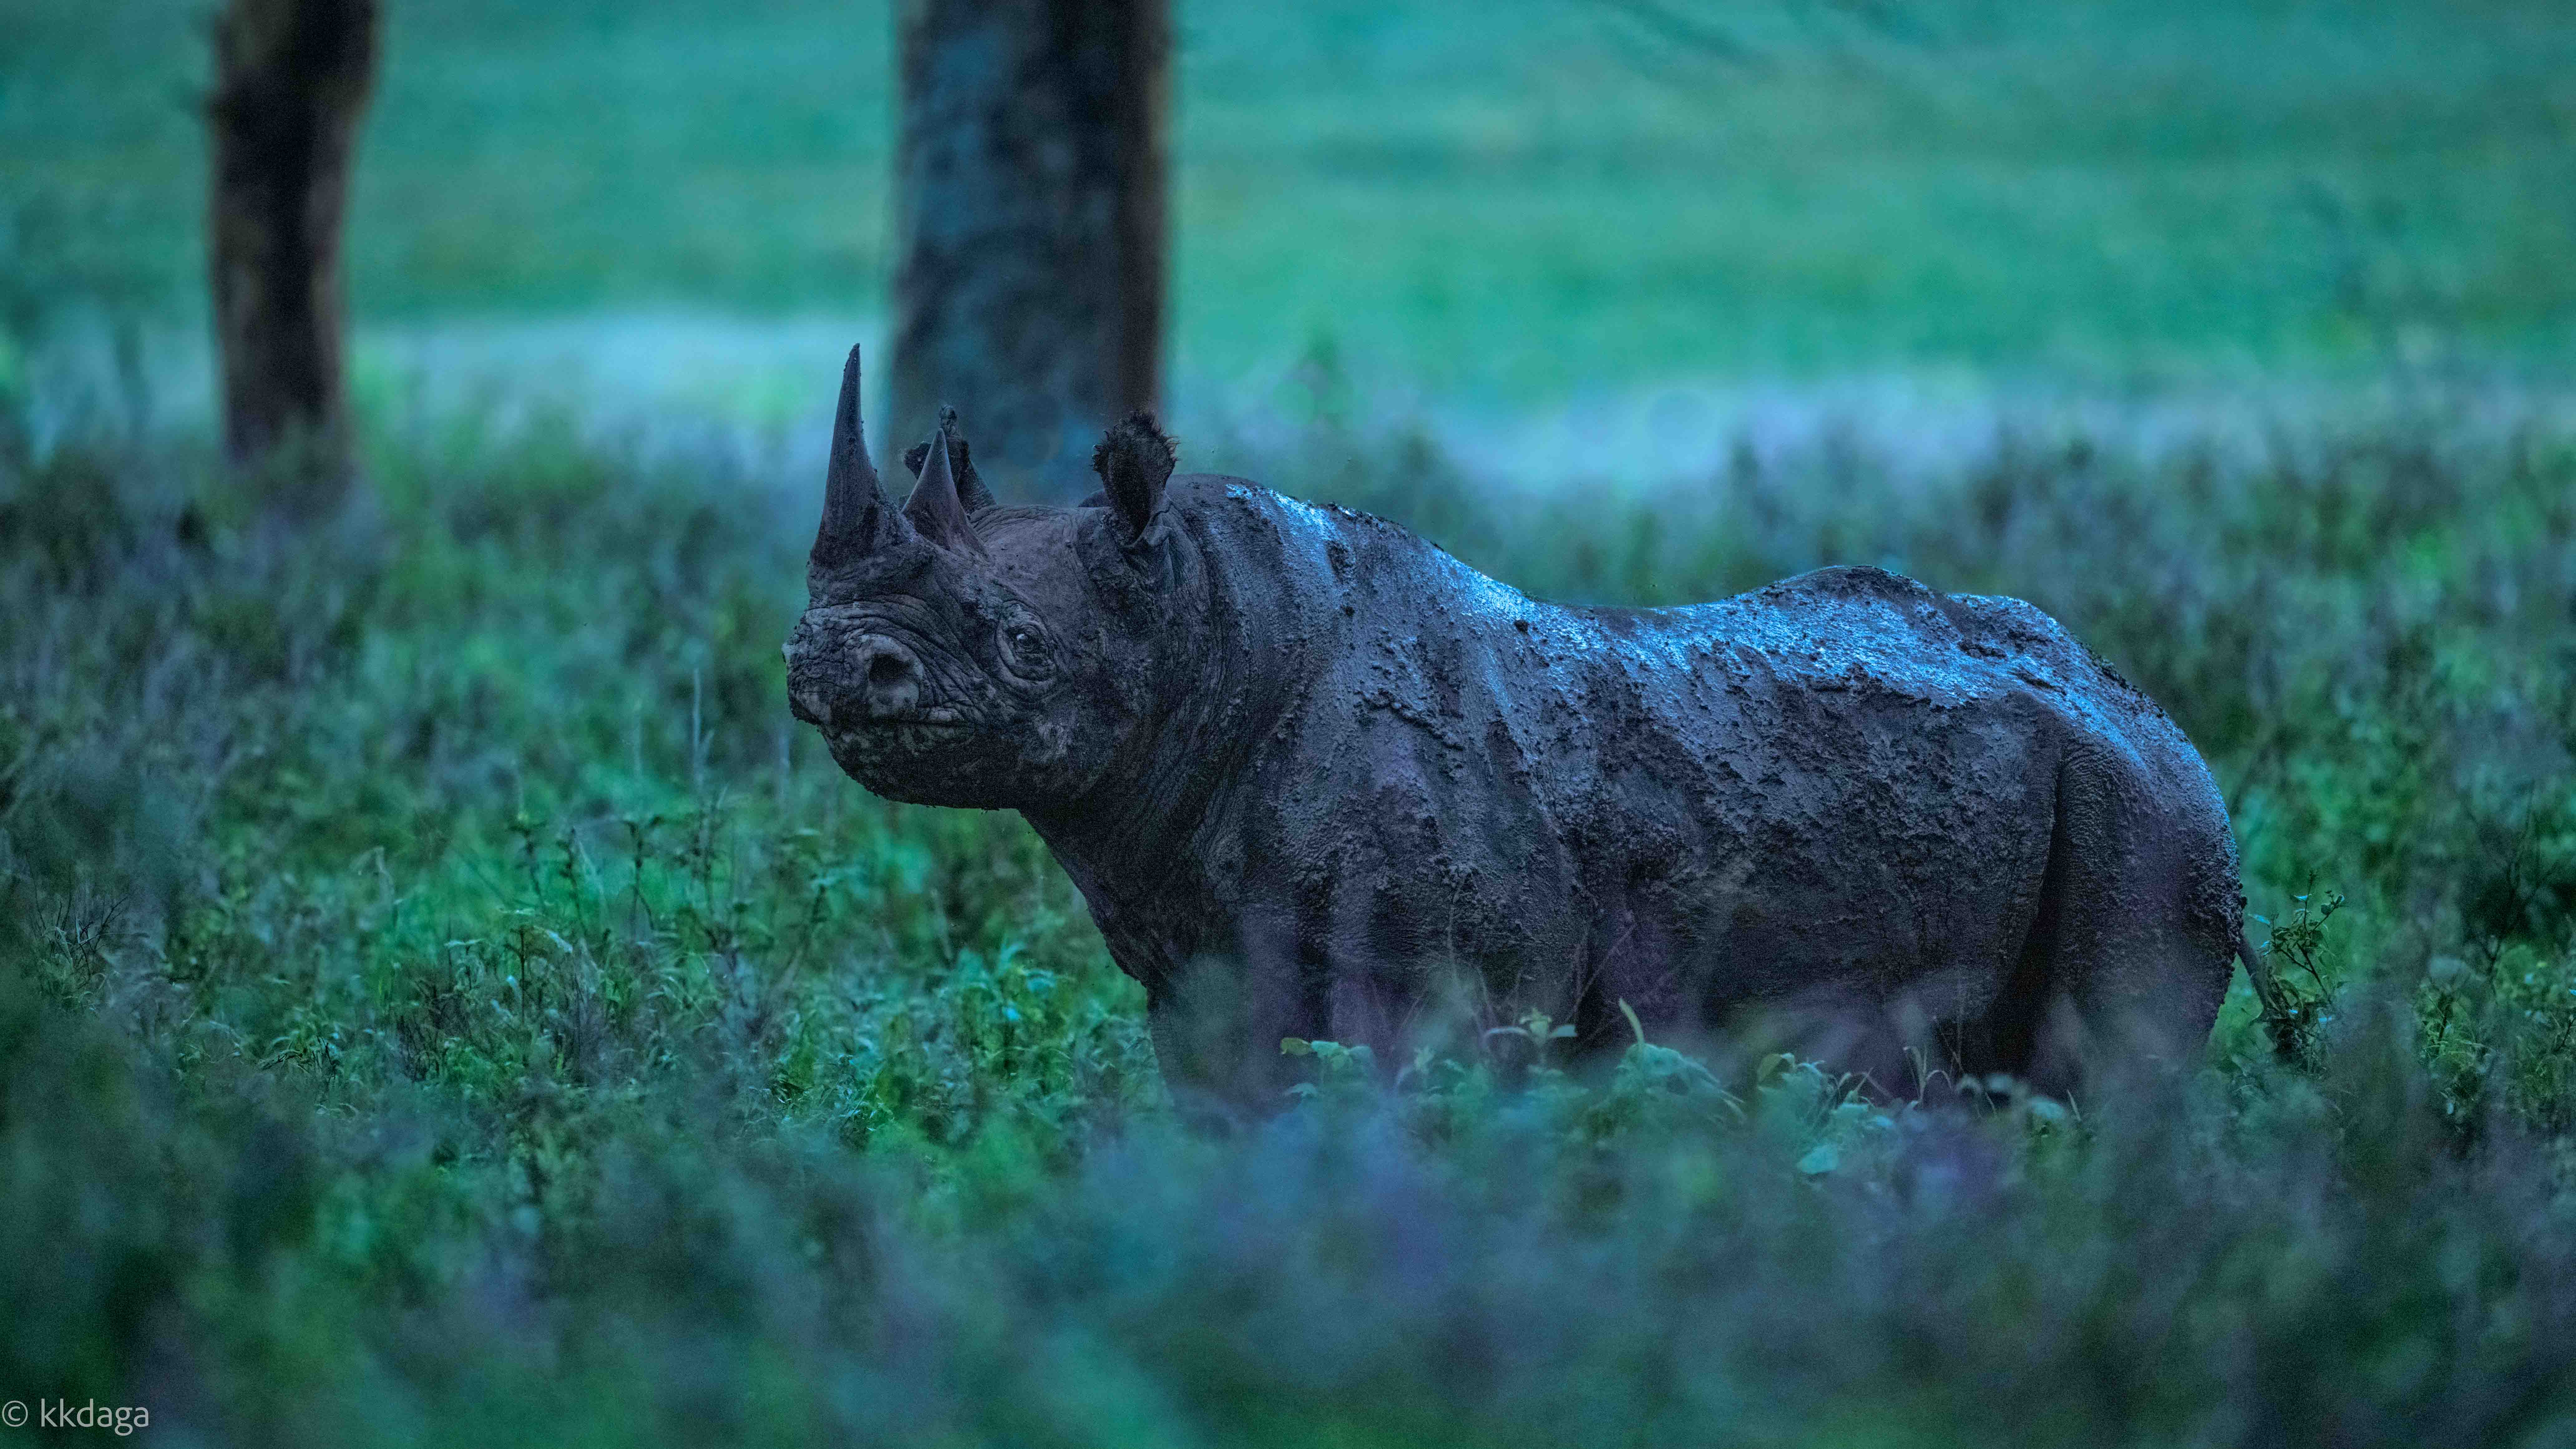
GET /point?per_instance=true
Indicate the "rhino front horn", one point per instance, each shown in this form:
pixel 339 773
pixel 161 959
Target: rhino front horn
pixel 936 508
pixel 857 520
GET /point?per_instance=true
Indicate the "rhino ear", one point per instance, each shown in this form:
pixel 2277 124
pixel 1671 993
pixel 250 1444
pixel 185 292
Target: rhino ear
pixel 1134 461
pixel 935 508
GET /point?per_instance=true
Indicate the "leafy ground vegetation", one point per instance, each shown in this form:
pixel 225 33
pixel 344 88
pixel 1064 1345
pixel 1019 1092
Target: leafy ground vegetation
pixel 443 1000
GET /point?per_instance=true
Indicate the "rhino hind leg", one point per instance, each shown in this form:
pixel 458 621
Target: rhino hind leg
pixel 2123 962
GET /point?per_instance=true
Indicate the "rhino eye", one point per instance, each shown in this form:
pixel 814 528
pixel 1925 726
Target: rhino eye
pixel 1024 647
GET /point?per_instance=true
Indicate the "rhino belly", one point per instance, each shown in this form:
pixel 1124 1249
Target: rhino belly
pixel 1854 864
pixel 1800 853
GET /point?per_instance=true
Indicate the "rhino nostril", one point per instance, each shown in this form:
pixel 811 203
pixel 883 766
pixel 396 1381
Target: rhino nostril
pixel 890 680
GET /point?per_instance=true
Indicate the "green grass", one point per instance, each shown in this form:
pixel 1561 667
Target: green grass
pixel 1503 202
pixel 442 999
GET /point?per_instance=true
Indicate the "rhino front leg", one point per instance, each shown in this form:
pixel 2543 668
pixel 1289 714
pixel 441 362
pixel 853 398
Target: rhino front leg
pixel 1217 1020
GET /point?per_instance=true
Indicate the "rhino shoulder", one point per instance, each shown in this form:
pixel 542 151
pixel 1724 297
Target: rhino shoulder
pixel 1841 616
pixel 2012 631
pixel 1853 624
pixel 1851 581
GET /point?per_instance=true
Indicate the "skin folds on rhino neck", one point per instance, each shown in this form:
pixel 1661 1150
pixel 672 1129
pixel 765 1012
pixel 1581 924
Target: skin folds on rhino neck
pixel 1137 844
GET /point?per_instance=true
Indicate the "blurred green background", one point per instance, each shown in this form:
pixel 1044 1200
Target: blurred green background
pixel 1503 204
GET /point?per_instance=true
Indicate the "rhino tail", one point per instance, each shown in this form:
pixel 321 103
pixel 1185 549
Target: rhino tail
pixel 2258 971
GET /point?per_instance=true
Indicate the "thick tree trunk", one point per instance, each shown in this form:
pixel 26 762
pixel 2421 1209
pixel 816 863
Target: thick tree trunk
pixel 291 81
pixel 1029 227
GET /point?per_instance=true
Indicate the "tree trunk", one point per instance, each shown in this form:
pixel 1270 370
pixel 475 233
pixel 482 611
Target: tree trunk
pixel 1029 228
pixel 291 81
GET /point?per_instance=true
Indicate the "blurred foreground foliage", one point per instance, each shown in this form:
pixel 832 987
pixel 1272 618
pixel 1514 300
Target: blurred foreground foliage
pixel 443 1000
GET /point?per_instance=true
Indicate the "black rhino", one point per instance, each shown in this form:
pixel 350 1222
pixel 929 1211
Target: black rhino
pixel 1317 778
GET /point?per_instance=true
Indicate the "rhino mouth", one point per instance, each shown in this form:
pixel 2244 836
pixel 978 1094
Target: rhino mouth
pixel 942 717
pixel 901 734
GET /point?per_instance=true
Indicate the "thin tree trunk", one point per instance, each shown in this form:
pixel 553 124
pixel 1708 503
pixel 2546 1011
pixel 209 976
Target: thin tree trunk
pixel 1030 227
pixel 291 82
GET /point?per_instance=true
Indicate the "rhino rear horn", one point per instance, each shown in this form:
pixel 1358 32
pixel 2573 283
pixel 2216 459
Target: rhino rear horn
pixel 936 508
pixel 857 519
pixel 970 485
pixel 1134 461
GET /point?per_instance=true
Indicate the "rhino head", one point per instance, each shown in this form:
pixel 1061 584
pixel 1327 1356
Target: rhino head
pixel 953 652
